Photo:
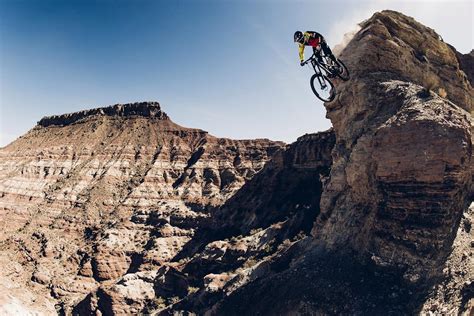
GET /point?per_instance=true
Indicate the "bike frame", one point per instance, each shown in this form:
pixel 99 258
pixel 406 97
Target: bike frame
pixel 317 66
pixel 315 63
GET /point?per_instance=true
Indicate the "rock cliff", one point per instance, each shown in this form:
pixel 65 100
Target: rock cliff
pixel 141 109
pixel 394 230
pixel 401 175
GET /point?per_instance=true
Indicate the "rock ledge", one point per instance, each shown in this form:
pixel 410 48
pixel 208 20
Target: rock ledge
pixel 145 109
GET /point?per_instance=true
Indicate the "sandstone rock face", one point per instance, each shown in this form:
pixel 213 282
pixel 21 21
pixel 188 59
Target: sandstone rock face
pixel 88 197
pixel 221 256
pixel 424 182
pixel 110 264
pixel 455 295
pixel 128 295
pixel 137 158
pixel 466 62
pixel 15 298
pixel 393 235
pixel 143 109
pixel 292 182
pixel 255 230
pixel 401 172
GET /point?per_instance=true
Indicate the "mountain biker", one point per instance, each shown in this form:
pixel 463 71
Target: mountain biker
pixel 315 40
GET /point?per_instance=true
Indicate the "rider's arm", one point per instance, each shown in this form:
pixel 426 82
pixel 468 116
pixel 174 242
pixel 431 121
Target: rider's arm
pixel 301 51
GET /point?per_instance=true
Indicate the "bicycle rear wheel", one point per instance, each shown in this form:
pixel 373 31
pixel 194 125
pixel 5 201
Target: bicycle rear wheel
pixel 322 87
pixel 343 73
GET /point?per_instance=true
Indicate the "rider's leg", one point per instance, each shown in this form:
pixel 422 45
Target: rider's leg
pixel 317 53
pixel 327 51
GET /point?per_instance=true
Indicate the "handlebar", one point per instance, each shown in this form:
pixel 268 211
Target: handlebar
pixel 309 59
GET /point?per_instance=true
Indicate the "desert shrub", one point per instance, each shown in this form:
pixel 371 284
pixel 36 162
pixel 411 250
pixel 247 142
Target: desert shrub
pixel 268 248
pixel 250 263
pixel 159 302
pixel 299 236
pixel 174 300
pixel 430 82
pixel 442 92
pixel 255 231
pixel 285 244
pixel 192 290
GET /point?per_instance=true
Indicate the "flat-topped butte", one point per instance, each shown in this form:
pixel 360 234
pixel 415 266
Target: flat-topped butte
pixel 145 109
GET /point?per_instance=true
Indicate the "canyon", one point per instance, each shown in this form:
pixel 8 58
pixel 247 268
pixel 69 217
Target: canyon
pixel 119 210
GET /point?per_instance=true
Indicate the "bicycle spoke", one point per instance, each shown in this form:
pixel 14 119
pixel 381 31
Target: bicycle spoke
pixel 322 87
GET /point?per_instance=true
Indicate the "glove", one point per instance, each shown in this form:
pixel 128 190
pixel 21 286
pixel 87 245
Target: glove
pixel 302 63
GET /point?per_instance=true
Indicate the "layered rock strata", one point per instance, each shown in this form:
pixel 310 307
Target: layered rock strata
pixel 401 175
pixel 88 197
pixel 247 235
pixel 142 109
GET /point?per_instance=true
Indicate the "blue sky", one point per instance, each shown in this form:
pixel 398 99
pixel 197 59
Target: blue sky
pixel 228 67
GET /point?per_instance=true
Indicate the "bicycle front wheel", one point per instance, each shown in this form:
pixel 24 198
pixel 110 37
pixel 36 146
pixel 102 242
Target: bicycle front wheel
pixel 322 87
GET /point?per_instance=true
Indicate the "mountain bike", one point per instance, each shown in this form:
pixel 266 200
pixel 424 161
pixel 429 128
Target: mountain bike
pixel 335 69
pixel 322 87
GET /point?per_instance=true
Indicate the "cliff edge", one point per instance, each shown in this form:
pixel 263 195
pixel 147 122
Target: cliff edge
pixel 393 234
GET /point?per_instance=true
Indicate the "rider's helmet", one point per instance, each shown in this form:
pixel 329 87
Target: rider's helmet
pixel 298 37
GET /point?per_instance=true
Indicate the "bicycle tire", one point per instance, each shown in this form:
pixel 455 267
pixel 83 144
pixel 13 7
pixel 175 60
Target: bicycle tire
pixel 330 85
pixel 344 75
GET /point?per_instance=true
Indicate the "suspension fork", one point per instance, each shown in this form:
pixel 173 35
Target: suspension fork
pixel 319 74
